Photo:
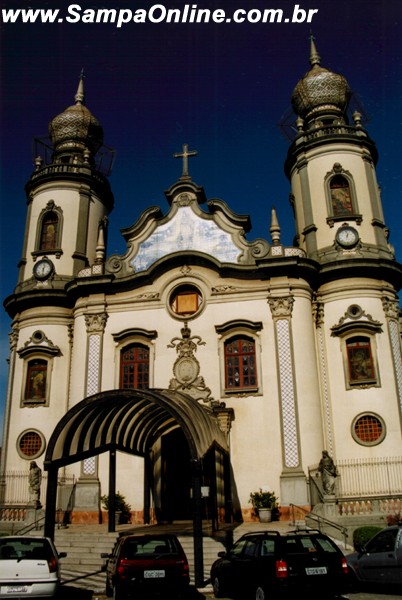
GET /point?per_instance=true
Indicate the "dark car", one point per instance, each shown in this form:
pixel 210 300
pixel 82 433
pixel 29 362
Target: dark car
pixel 29 566
pixel 147 565
pixel 380 560
pixel 267 564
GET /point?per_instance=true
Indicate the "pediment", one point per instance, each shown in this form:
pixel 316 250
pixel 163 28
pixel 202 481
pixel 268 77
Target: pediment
pixel 217 232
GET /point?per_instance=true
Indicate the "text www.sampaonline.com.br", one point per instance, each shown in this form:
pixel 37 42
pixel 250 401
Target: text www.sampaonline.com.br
pixel 158 13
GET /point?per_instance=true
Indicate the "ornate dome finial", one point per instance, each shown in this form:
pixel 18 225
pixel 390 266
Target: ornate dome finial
pixel 315 58
pixel 80 95
pixel 320 93
pixel 75 131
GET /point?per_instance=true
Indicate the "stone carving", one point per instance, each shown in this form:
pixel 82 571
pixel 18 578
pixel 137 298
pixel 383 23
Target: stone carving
pixel 328 472
pixel 96 323
pixel 34 481
pixel 187 368
pixel 281 307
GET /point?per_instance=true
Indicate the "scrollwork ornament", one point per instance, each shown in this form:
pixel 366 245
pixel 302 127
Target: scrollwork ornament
pixel 281 307
pixel 391 308
pixel 318 313
pixel 96 323
pixel 13 338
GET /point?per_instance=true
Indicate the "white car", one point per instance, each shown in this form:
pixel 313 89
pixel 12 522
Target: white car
pixel 29 566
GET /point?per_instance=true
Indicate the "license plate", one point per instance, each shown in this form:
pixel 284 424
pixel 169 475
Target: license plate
pixel 316 570
pixel 154 574
pixel 16 589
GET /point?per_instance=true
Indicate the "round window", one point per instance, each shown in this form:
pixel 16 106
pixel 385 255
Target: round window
pixel 368 430
pixel 185 301
pixel 31 444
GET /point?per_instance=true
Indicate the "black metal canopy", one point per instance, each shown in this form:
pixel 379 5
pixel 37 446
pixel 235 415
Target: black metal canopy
pixel 131 421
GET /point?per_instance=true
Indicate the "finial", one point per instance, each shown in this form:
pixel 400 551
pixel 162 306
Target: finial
pixel 184 155
pixel 275 230
pixel 80 95
pixel 315 58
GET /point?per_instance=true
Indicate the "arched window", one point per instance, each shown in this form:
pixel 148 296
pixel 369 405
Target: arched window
pixel 240 364
pixel 49 231
pixel 134 367
pixel 360 360
pixel 36 381
pixel 341 196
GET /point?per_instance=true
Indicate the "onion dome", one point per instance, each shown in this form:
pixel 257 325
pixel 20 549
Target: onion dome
pixel 320 91
pixel 76 129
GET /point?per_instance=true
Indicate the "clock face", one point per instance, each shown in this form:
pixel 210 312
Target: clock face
pixel 43 269
pixel 347 236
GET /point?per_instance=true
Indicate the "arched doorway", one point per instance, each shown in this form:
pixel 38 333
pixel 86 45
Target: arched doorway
pixel 176 478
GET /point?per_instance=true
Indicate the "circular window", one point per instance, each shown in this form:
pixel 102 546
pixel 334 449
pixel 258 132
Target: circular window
pixel 368 430
pixel 31 444
pixel 185 301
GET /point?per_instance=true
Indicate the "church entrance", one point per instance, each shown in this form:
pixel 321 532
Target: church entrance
pixel 176 504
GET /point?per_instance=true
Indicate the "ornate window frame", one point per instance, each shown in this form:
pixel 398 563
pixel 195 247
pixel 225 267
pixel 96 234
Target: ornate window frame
pixel 227 332
pixel 182 291
pixel 36 454
pixel 128 337
pixel 37 348
pixel 338 171
pixel 375 442
pixel 57 250
pixel 357 325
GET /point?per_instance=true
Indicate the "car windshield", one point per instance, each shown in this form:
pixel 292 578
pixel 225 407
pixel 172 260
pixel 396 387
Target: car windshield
pixel 138 547
pixel 303 545
pixel 24 548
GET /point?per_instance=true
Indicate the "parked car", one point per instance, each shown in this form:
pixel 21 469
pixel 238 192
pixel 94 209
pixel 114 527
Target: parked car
pixel 147 564
pixel 268 564
pixel 379 561
pixel 29 566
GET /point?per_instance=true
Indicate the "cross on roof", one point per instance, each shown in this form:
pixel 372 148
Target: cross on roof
pixel 184 155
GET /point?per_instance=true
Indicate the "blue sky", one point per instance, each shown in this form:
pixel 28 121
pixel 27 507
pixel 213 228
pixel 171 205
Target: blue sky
pixel 221 88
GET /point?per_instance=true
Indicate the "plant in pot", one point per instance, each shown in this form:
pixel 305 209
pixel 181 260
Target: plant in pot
pixel 122 509
pixel 265 505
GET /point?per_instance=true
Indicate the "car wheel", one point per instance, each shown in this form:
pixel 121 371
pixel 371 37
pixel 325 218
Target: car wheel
pixel 217 587
pixel 260 594
pixel 118 594
pixel 108 590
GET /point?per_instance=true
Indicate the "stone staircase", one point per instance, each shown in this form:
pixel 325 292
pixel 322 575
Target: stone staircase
pixel 82 567
pixel 84 544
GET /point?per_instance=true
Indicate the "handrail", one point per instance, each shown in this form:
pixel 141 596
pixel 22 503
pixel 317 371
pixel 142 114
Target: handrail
pixel 30 527
pixel 319 519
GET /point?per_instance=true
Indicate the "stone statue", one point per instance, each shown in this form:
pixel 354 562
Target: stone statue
pixel 328 472
pixel 34 481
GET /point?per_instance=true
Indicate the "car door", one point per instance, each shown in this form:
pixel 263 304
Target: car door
pixel 237 567
pixel 381 559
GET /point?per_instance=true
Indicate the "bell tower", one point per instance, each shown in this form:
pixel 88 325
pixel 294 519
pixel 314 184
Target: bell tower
pixel 331 166
pixel 68 198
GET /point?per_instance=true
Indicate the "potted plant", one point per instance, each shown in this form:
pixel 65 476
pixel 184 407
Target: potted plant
pixel 122 509
pixel 264 503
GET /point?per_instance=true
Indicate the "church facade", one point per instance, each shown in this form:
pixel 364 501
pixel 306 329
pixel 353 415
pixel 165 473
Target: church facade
pixel 198 350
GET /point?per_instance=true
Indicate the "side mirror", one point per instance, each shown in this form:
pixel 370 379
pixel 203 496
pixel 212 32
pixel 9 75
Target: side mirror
pixel 222 553
pixel 105 555
pixel 62 554
pixel 360 548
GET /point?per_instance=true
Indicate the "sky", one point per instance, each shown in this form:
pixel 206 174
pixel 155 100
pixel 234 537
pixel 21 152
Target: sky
pixel 223 88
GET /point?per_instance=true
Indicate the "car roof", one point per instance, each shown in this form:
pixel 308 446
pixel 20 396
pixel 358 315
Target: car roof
pixel 293 532
pixel 24 537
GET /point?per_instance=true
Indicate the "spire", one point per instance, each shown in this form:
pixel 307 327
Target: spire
pixel 80 95
pixel 275 230
pixel 315 58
